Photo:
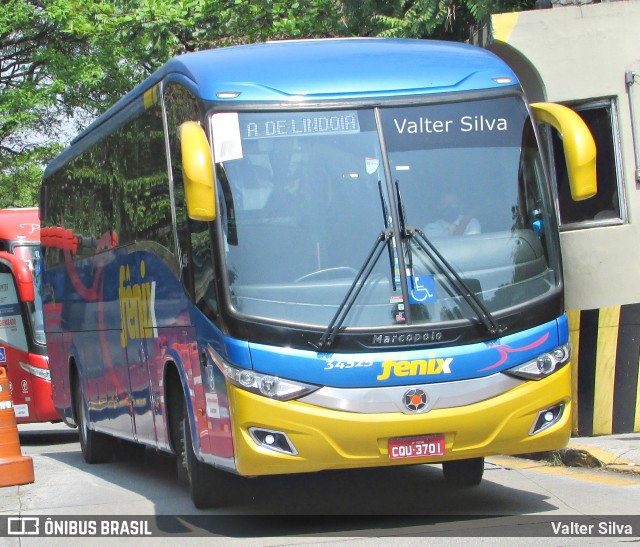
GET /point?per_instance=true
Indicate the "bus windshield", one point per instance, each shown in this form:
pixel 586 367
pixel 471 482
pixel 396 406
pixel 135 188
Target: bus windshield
pixel 307 196
pixel 31 254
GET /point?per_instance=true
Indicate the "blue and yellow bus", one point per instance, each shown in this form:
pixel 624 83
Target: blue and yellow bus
pixel 308 255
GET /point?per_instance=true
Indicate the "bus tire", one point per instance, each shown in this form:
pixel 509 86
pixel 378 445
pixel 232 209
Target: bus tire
pixel 206 484
pixel 463 473
pixel 96 447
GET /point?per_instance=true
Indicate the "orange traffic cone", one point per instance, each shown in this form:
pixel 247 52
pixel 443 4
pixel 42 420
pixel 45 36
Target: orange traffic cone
pixel 14 467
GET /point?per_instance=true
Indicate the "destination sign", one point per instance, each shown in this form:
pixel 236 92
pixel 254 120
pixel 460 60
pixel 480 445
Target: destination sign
pixel 230 129
pixel 483 123
pixel 292 124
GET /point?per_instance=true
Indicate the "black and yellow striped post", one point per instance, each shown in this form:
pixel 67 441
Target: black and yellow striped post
pixel 606 360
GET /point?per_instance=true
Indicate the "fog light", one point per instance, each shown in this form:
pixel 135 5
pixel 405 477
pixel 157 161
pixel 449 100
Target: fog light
pixel 546 418
pixel 273 440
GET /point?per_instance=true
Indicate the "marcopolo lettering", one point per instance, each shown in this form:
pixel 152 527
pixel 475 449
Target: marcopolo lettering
pixel 418 367
pixel 408 338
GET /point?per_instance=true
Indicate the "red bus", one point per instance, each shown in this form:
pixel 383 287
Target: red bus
pixel 22 340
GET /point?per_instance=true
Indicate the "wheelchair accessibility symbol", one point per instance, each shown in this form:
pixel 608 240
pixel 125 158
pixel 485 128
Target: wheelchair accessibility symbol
pixel 422 288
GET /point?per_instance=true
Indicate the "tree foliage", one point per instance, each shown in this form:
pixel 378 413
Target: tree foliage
pixel 441 19
pixel 54 71
pixel 64 61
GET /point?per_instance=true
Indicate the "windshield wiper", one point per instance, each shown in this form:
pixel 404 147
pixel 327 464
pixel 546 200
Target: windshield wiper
pixel 483 314
pixel 409 234
pixel 387 225
pixel 402 218
pixel 329 335
pixel 383 240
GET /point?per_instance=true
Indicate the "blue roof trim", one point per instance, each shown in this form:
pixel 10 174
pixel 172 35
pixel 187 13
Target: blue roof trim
pixel 341 69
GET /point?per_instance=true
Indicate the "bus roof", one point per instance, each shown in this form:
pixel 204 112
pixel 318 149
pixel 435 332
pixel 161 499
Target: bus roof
pixel 339 68
pixel 20 224
pixel 312 71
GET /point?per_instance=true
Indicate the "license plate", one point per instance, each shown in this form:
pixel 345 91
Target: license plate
pixel 416 447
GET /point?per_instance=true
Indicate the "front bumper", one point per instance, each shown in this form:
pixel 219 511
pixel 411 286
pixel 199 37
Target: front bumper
pixel 332 439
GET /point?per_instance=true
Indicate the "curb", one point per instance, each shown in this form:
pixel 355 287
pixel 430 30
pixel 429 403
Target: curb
pixel 585 456
pixel 606 459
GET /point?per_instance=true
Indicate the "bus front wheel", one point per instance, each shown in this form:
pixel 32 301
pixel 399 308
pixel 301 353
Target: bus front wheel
pixel 206 484
pixel 463 473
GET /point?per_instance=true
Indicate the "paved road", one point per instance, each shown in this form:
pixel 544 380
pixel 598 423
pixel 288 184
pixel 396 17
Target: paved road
pixel 331 507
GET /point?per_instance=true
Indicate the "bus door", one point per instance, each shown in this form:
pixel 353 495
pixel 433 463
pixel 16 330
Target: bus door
pixel 141 402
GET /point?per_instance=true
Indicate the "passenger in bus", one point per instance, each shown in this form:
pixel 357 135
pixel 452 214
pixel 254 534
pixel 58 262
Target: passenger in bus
pixel 455 218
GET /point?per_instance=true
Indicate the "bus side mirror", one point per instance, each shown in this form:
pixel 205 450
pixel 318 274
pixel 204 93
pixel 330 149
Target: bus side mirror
pixel 197 172
pixel 579 147
pixel 21 274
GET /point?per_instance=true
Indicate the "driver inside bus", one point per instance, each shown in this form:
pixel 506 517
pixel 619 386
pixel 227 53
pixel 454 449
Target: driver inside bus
pixel 455 218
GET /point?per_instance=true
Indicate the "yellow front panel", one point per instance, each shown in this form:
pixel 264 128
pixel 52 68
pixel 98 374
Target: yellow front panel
pixel 330 439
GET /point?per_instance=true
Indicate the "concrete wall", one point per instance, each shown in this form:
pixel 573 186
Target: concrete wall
pixel 578 53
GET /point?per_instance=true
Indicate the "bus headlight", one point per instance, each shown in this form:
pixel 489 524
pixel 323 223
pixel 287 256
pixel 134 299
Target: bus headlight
pixel 543 365
pixel 36 371
pixel 267 385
